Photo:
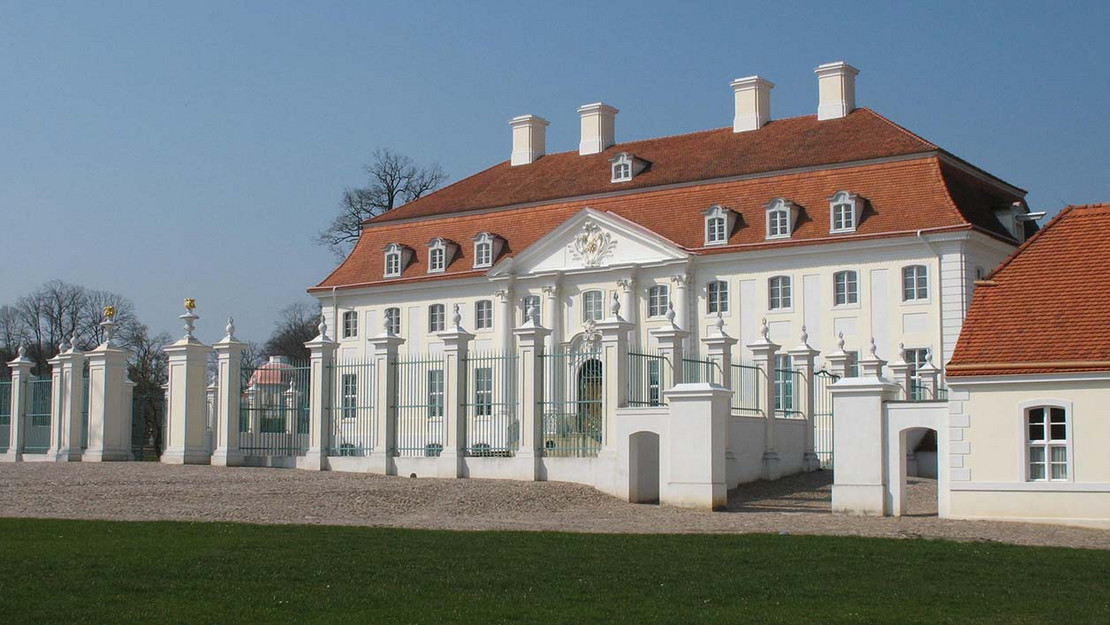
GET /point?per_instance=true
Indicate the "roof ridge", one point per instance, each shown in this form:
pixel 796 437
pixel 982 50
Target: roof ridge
pixel 1028 242
pixel 900 127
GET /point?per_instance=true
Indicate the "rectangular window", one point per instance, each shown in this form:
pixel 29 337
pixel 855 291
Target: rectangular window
pixel 779 295
pixel 435 393
pixel 483 255
pixel 437 318
pixel 393 320
pixel 846 288
pixel 483 314
pixel 659 296
pixel 717 297
pixel 530 302
pixel 915 283
pixel 349 395
pixel 844 217
pixel 852 365
pixel 1048 443
pixel 437 259
pixel 483 392
pixel 654 384
pixel 350 324
pixel 592 306
pixel 784 383
pixel 715 232
pixel 392 264
pixel 916 358
pixel 778 223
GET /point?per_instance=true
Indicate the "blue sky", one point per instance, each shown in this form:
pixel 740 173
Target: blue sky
pixel 164 150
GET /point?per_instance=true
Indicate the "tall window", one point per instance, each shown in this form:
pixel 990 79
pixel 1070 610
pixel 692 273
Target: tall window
pixel 592 309
pixel 483 392
pixel 483 314
pixel 1047 436
pixel 350 324
pixel 778 223
pixel 437 259
pixel 530 302
pixel 437 317
pixel 716 230
pixel 916 359
pixel 784 383
pixel 845 288
pixel 658 298
pixel 717 297
pixel 393 320
pixel 435 393
pixel 915 283
pixel 779 293
pixel 349 395
pixel 392 263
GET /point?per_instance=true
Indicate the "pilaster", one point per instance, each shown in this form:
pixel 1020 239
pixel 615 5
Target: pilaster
pixel 530 340
pixel 804 358
pixel 386 347
pixel 456 345
pixel 763 354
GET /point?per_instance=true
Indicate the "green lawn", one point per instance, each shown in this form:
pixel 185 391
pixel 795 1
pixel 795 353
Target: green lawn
pixel 101 572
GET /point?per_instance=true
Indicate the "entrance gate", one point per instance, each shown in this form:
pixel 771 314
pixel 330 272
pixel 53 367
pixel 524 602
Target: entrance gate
pixel 823 417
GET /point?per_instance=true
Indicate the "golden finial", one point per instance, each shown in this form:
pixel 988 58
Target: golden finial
pixel 109 312
pixel 190 304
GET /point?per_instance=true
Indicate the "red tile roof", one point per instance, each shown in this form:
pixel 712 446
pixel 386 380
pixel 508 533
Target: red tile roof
pixel 783 144
pixel 1044 309
pixel 901 196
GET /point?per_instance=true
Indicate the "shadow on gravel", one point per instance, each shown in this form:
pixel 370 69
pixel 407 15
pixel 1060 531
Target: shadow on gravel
pixel 802 493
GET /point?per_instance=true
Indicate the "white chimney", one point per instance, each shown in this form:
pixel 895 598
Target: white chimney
pixel 597 128
pixel 836 86
pixel 753 103
pixel 529 138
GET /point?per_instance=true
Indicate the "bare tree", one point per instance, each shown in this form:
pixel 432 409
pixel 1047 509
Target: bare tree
pixel 394 180
pixel 296 326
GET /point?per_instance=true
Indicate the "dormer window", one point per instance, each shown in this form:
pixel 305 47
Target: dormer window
pixel 844 211
pixel 719 222
pixel 440 253
pixel 622 167
pixel 394 260
pixel 486 248
pixel 781 215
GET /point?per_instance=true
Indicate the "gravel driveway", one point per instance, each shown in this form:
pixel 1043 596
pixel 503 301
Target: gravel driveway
pixel 151 491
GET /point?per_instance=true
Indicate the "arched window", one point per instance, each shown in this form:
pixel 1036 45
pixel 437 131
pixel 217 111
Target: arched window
pixel 716 300
pixel 659 296
pixel 844 211
pixel 437 317
pixel 778 293
pixel 1048 443
pixel 845 288
pixel 915 283
pixel 622 168
pixel 483 250
pixel 592 309
pixel 781 215
pixel 350 324
pixel 393 320
pixel 718 224
pixel 392 260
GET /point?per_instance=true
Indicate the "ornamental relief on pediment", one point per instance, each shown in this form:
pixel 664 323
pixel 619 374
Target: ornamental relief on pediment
pixel 593 245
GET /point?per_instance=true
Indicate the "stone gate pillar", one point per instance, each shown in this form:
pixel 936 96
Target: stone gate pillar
pixel 669 339
pixel 187 414
pixel 859 440
pixel 386 347
pixel 66 420
pixel 456 345
pixel 109 417
pixel 21 373
pixel 693 470
pixel 322 389
pixel 804 358
pixel 614 361
pixel 225 429
pixel 763 354
pixel 529 371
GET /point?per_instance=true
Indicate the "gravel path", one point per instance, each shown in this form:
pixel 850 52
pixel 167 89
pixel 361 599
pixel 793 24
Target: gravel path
pixel 151 491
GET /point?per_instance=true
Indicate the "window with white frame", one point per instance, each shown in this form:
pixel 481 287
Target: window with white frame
pixel 437 317
pixel 393 261
pixel 393 320
pixel 659 296
pixel 784 383
pixel 852 365
pixel 845 288
pixel 483 314
pixel 349 395
pixel 622 168
pixel 435 393
pixel 592 306
pixel 916 358
pixel 780 218
pixel 437 259
pixel 530 302
pixel 915 283
pixel 844 211
pixel 483 250
pixel 718 221
pixel 483 392
pixel 1047 440
pixel 778 295
pixel 350 324
pixel 716 299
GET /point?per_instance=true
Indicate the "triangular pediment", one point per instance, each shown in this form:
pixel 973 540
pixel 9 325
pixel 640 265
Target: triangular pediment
pixel 592 240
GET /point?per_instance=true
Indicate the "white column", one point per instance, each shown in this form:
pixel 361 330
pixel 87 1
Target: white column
pixel 681 303
pixel 225 426
pixel 763 353
pixel 385 346
pixel 21 373
pixel 185 419
pixel 718 348
pixel 553 315
pixel 614 358
pixel 804 357
pixel 321 388
pixel 505 300
pixel 629 305
pixel 72 363
pixel 109 418
pixel 693 468
pixel 456 344
pixel 530 339
pixel 59 400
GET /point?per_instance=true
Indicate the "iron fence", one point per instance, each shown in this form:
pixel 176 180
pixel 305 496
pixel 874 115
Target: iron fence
pixel 746 380
pixel 788 389
pixel 148 425
pixel 350 408
pixel 571 405
pixel 85 407
pixel 490 401
pixel 419 404
pixel 646 379
pixel 823 417
pixel 273 409
pixel 5 414
pixel 36 436
pixel 696 368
